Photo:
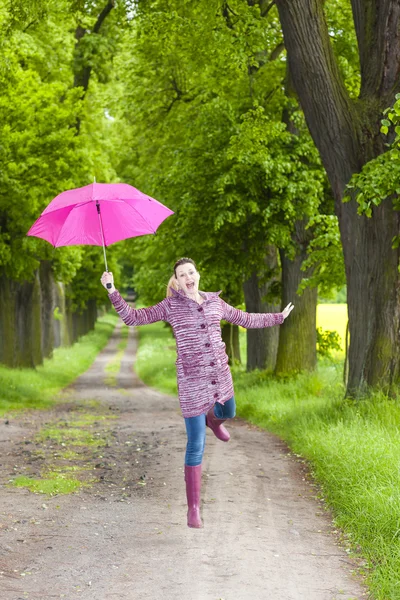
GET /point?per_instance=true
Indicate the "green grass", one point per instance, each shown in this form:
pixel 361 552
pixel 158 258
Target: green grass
pixel 68 449
pixel 352 447
pixel 36 388
pixel 70 436
pixel 56 483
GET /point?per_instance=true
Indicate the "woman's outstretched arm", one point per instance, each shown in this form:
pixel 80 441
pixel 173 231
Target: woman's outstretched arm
pixel 254 320
pixel 134 316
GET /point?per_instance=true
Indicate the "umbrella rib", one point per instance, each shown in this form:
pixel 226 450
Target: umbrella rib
pixel 144 218
pixel 72 206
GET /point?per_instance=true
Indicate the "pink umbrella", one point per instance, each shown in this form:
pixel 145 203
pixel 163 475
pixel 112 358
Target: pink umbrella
pixel 99 214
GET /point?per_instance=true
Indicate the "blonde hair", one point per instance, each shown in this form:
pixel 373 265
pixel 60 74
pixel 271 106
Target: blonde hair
pixel 172 283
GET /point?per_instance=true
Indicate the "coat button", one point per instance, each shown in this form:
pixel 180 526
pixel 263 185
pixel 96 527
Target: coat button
pixel 212 364
pixel 200 310
pixel 202 326
pixel 215 395
pixel 208 345
pixel 213 382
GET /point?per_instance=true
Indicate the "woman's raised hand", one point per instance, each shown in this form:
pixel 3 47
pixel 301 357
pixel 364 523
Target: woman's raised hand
pixel 107 278
pixel 287 310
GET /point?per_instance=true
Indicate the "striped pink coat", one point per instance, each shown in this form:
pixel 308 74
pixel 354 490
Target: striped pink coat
pixel 202 366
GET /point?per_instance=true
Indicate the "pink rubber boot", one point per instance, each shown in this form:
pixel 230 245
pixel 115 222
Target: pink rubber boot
pixel 216 425
pixel 193 488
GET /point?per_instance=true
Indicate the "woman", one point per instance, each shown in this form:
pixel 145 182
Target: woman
pixel 205 385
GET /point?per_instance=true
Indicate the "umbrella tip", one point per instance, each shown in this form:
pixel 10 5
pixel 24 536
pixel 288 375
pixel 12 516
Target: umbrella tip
pixel 94 179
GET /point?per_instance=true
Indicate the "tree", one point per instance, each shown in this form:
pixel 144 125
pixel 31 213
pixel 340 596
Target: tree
pixel 40 156
pixel 346 132
pixel 211 143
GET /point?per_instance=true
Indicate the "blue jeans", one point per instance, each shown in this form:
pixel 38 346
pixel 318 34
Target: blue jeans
pixel 196 431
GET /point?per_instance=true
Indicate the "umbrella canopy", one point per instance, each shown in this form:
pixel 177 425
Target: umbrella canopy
pixel 99 214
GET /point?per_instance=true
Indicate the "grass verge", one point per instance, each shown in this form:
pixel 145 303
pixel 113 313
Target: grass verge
pixel 36 388
pixel 352 447
pixel 63 455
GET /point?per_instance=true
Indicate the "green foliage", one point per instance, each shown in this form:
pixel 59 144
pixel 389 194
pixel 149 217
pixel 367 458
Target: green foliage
pixel 186 101
pixel 379 178
pixel 335 296
pixel 327 342
pixel 339 16
pixel 325 256
pixel 210 141
pixel 41 154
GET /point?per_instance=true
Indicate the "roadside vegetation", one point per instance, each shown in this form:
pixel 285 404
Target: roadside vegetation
pixel 352 447
pixel 61 458
pixel 21 389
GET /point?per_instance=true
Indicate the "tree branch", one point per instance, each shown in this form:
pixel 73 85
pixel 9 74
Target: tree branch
pixel 265 5
pixel 277 51
pixel 226 10
pixel 265 8
pixel 378 34
pixel 329 113
pixel 82 75
pixel 106 10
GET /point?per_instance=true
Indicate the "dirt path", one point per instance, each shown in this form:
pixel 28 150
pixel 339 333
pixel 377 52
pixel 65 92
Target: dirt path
pixel 265 536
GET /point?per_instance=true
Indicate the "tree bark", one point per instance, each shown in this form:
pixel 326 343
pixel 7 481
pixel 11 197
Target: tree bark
pixel 7 322
pixel 262 344
pixel 378 34
pixel 61 326
pixel 230 336
pixel 347 135
pixel 20 323
pixel 47 308
pixel 297 349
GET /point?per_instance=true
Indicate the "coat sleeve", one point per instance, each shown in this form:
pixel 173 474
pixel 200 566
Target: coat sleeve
pixel 250 320
pixel 140 316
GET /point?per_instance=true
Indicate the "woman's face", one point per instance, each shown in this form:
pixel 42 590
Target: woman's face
pixel 188 278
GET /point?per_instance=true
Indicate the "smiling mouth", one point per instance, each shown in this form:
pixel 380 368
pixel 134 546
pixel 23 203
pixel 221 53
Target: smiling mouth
pixel 190 286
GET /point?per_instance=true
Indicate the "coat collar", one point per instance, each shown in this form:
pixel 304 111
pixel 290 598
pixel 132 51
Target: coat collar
pixel 205 295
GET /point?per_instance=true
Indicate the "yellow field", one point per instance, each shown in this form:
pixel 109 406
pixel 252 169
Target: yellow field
pixel 333 317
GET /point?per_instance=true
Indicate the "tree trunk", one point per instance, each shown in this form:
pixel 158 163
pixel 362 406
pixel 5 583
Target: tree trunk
pixel 20 323
pixel 230 336
pixel 61 325
pixel 373 296
pixel 347 136
pixel 7 322
pixel 262 344
pixel 47 308
pixel 297 349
